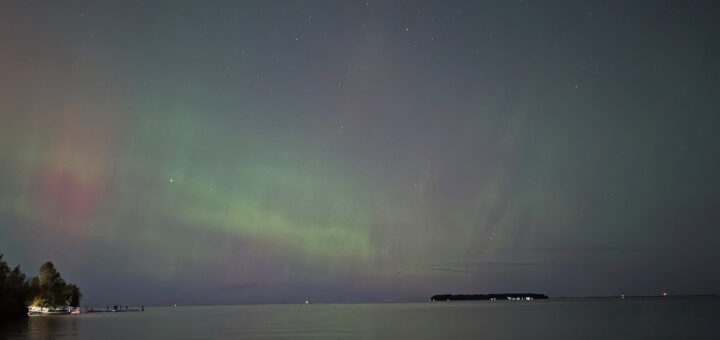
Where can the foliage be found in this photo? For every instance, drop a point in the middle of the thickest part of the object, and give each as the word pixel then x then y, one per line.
pixel 72 295
pixel 14 290
pixel 52 285
pixel 45 290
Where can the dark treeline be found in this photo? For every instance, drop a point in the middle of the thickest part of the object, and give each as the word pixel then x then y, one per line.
pixel 502 296
pixel 48 289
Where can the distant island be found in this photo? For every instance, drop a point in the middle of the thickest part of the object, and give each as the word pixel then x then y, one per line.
pixel 46 291
pixel 490 297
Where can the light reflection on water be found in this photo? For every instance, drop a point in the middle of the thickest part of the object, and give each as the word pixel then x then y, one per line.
pixel 571 319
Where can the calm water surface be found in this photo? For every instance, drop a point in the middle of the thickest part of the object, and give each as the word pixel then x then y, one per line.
pixel 553 319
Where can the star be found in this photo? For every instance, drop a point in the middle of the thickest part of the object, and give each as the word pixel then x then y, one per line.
pixel 171 180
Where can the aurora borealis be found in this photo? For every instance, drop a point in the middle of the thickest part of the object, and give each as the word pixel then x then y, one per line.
pixel 248 152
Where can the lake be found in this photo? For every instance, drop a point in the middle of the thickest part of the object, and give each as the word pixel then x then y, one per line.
pixel 656 318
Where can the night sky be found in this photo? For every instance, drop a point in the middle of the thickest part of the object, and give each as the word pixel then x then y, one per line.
pixel 206 152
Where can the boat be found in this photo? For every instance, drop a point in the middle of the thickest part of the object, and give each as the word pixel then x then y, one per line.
pixel 35 310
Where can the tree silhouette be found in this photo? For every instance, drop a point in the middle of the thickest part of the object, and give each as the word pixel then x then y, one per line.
pixel 14 289
pixel 72 295
pixel 52 286
pixel 45 290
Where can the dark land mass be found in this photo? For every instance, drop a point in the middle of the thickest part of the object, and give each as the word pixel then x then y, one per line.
pixel 502 296
pixel 48 289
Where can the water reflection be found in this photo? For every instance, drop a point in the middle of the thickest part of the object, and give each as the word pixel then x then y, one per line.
pixel 553 319
pixel 40 327
pixel 16 328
